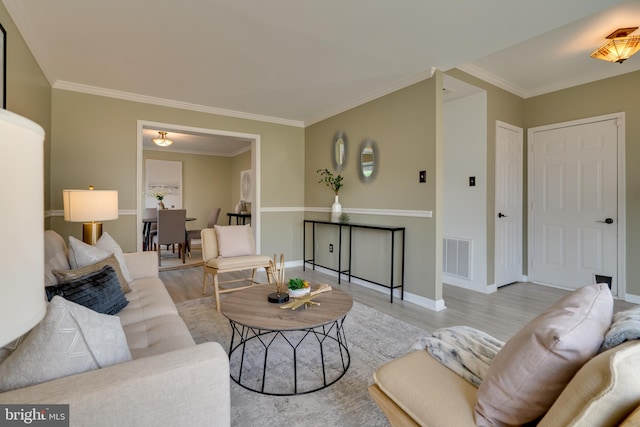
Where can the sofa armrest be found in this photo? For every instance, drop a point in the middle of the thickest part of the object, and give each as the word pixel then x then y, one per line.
pixel 142 264
pixel 187 387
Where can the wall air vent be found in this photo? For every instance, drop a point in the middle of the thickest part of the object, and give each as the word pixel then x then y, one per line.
pixel 456 257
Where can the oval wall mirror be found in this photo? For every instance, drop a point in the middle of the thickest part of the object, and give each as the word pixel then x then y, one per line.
pixel 339 151
pixel 369 161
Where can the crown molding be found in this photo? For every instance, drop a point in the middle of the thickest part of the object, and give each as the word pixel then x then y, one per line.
pixel 128 96
pixel 493 79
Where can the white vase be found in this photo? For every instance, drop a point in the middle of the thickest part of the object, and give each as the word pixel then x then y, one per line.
pixel 336 210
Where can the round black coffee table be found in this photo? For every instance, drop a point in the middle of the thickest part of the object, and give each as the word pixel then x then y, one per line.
pixel 284 352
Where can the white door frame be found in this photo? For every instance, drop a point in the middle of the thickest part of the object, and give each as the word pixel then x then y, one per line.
pixel 520 132
pixel 622 221
pixel 255 167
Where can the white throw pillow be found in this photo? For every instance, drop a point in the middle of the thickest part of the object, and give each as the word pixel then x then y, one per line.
pixel 82 254
pixel 234 240
pixel 69 340
pixel 107 243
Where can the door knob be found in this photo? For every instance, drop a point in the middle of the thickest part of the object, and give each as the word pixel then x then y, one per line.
pixel 607 221
pixel 501 215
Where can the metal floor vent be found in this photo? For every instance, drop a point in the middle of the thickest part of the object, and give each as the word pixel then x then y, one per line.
pixel 456 257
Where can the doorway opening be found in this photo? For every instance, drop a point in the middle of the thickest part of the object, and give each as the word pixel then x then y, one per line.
pixel 238 138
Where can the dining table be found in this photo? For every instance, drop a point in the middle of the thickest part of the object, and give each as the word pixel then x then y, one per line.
pixel 146 231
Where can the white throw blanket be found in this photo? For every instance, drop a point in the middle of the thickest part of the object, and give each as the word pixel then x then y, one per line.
pixel 466 351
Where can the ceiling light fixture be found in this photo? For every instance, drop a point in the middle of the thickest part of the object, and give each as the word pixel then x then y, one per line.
pixel 162 140
pixel 620 46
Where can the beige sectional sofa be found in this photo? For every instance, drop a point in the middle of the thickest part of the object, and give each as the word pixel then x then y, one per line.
pixel 169 381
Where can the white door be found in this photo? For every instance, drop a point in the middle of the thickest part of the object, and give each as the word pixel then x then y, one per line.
pixel 575 204
pixel 508 213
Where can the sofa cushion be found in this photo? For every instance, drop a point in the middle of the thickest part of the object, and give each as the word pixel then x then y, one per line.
pixel 535 365
pixel 234 240
pixel 428 391
pixel 603 392
pixel 68 275
pixel 69 340
pixel 148 298
pixel 98 290
pixel 157 335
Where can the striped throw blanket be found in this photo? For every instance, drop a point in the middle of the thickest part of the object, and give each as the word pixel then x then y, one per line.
pixel 466 351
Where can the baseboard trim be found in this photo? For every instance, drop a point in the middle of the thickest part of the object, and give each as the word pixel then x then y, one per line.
pixel 427 303
pixel 635 299
pixel 465 284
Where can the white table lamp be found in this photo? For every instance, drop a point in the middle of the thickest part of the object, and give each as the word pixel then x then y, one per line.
pixel 22 297
pixel 90 207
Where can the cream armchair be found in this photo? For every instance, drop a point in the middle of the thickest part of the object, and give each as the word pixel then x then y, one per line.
pixel 230 248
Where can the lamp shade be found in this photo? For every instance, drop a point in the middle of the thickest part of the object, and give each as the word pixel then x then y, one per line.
pixel 22 297
pixel 90 205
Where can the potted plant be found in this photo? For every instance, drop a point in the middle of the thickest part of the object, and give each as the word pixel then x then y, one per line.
pixel 335 184
pixel 298 287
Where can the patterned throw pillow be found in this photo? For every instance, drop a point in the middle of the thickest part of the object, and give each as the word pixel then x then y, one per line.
pixel 99 290
pixel 68 275
pixel 69 340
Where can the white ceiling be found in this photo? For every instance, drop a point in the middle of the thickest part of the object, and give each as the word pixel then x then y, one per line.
pixel 300 61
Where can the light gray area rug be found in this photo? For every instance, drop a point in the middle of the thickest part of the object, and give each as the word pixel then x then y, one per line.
pixel 373 338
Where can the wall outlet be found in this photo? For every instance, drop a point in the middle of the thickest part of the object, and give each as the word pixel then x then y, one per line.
pixel 331 247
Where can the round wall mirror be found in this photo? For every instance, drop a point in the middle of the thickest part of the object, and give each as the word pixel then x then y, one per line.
pixel 368 164
pixel 339 151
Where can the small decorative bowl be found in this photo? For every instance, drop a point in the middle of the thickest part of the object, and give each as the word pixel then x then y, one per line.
pixel 298 293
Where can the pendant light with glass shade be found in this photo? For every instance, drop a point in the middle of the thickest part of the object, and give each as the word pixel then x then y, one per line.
pixel 162 140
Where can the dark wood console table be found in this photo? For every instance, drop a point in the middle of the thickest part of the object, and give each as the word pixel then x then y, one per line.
pixel 350 227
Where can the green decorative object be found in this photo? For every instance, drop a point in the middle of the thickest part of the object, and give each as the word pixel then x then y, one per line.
pixel 345 217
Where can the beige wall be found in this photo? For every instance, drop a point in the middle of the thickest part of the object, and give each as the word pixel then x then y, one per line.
pixel 95 142
pixel 206 183
pixel 407 128
pixel 28 91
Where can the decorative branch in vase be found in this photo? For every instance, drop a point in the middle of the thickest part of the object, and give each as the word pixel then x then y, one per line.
pixel 335 184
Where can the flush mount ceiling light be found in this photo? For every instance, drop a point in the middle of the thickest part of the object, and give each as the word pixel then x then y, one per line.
pixel 162 140
pixel 620 46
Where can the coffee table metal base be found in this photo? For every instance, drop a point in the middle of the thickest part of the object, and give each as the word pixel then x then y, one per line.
pixel 316 357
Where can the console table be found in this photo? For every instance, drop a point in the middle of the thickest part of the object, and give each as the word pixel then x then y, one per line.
pixel 349 227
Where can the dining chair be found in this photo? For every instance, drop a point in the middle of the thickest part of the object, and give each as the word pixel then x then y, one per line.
pixel 152 230
pixel 171 230
pixel 195 234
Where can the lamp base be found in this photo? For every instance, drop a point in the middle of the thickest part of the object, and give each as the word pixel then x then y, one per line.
pixel 91 232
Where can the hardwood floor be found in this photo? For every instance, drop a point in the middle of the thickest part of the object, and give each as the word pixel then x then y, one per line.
pixel 500 314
